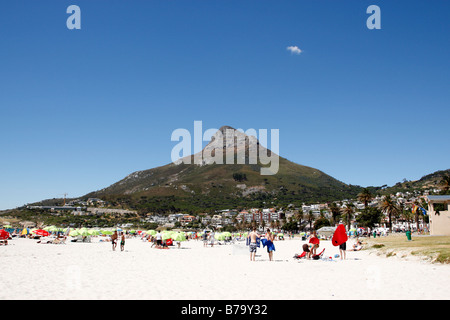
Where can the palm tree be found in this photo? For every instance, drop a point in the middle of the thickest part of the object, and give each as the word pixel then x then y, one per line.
pixel 365 197
pixel 310 218
pixel 416 216
pixel 348 212
pixel 299 215
pixel 335 211
pixel 388 206
pixel 407 215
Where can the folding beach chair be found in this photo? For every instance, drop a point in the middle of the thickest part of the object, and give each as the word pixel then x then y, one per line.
pixel 299 256
pixel 318 256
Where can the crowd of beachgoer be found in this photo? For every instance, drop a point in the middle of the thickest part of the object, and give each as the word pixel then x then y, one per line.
pixel 253 239
pixel 310 249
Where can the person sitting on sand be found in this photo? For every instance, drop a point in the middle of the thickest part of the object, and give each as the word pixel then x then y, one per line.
pixel 357 246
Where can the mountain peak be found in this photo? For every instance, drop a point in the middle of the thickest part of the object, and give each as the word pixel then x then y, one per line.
pixel 224 129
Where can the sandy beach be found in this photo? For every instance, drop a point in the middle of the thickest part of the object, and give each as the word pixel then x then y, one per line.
pixel 94 271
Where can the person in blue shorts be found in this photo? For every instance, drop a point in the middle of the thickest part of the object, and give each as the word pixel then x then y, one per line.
pixel 253 244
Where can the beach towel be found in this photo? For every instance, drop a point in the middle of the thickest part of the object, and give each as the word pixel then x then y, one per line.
pixel 339 236
pixel 269 244
pixel 258 242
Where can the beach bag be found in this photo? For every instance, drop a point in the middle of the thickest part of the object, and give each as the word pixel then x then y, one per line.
pixel 339 236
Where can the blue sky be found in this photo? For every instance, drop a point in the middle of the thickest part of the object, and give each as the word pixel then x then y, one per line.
pixel 81 109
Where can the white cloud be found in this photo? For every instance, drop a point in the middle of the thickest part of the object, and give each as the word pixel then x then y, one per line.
pixel 294 49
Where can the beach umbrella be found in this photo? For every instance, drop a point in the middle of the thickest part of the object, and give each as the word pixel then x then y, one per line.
pixel 4 234
pixel 152 232
pixel 41 232
pixel 74 233
pixel 107 232
pixel 7 226
pixel 52 229
pixel 25 231
pixel 226 234
pixel 167 235
pixel 84 233
pixel 94 232
pixel 179 236
pixel 280 235
pixel 219 236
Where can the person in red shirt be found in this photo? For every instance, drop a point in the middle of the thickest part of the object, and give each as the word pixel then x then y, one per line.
pixel 314 240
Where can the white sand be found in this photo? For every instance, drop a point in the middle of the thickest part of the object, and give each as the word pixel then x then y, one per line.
pixel 94 271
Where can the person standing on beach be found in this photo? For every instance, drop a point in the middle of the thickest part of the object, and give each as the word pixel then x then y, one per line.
pixel 205 239
pixel 122 242
pixel 270 246
pixel 253 245
pixel 158 237
pixel 342 250
pixel 114 240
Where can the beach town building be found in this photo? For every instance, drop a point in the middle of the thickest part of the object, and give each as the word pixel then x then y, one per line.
pixel 102 211
pixel 439 214
pixel 185 219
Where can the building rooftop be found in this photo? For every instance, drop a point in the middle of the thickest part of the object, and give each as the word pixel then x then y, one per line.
pixel 439 198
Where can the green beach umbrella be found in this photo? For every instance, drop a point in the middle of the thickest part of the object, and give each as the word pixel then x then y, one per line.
pixel 167 235
pixel 107 232
pixel 226 234
pixel 94 232
pixel 84 233
pixel 74 233
pixel 219 236
pixel 179 236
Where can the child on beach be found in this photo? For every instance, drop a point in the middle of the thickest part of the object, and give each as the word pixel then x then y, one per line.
pixel 122 242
